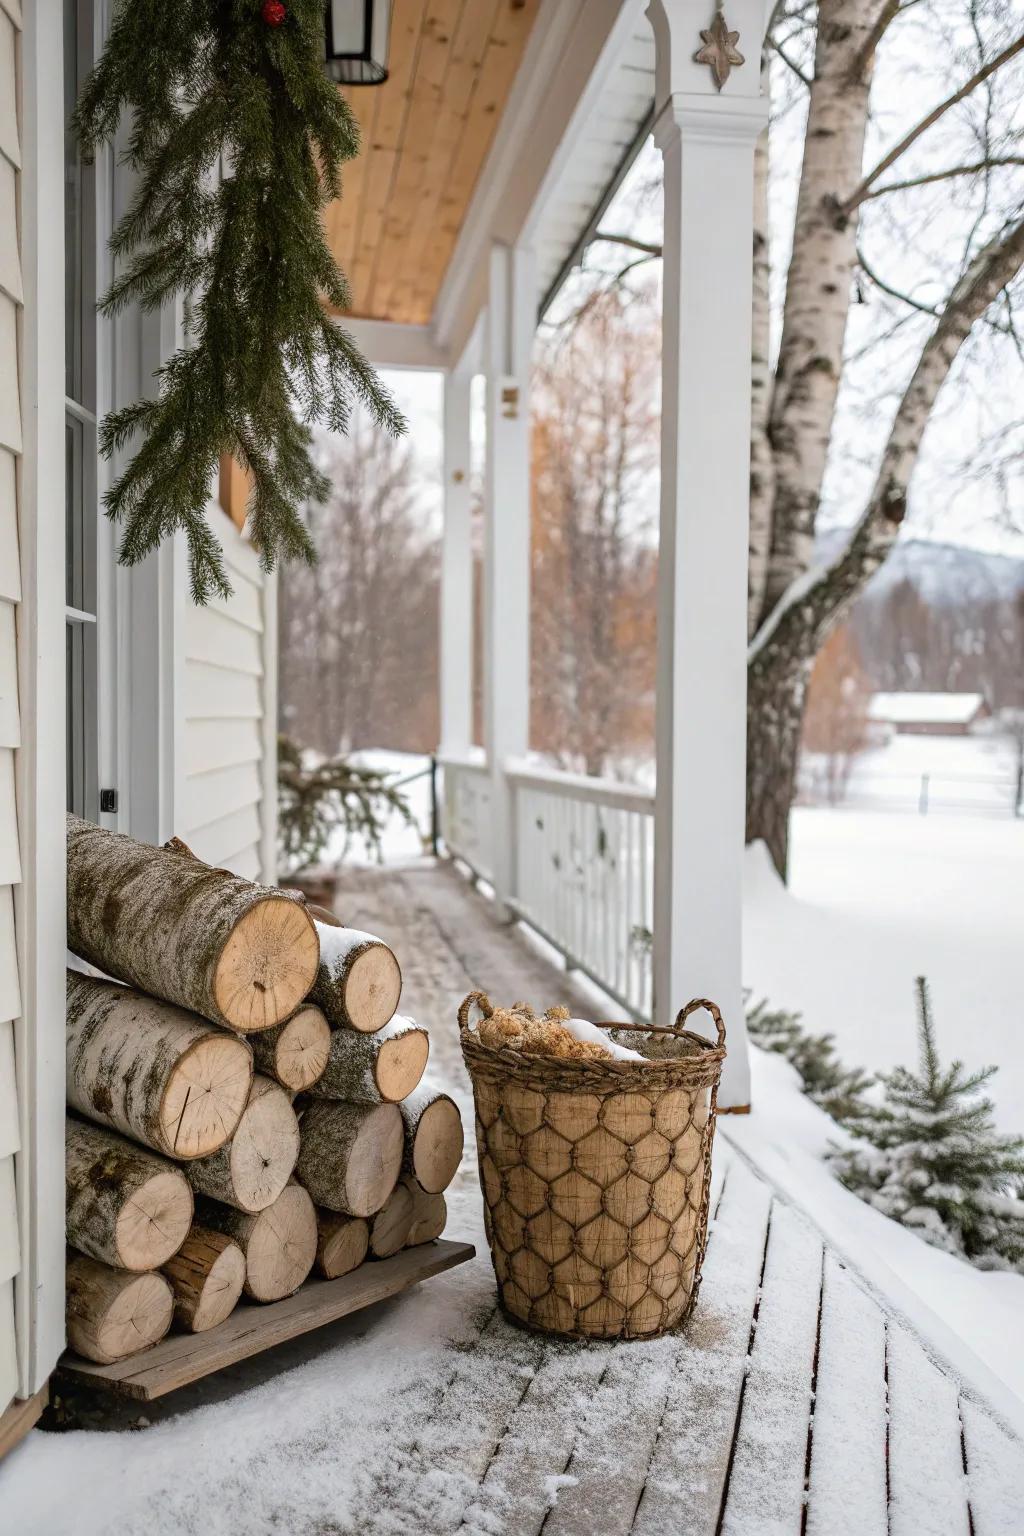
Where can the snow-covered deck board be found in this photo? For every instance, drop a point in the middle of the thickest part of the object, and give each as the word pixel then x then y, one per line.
pixel 434 1415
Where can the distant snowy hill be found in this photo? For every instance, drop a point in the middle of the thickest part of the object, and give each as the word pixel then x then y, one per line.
pixel 942 617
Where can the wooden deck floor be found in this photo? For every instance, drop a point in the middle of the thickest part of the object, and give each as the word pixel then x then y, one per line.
pixel 791 1402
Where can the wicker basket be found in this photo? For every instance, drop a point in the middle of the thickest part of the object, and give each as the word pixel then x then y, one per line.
pixel 596 1177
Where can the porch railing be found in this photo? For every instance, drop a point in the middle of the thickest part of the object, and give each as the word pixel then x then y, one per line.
pixel 583 860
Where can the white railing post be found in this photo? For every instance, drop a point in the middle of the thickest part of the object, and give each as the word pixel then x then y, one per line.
pixel 456 571
pixel 510 324
pixel 707 141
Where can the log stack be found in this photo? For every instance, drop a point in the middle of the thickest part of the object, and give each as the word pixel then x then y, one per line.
pixel 244 1100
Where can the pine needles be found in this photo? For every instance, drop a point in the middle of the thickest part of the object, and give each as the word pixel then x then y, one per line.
pixel 237 139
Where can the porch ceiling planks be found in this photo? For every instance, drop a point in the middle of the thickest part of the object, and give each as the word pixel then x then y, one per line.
pixel 425 135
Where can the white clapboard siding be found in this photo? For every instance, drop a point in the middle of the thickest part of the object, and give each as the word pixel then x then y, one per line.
pixel 11 296
pixel 228 709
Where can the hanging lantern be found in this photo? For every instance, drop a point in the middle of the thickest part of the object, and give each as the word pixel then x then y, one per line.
pixel 357 41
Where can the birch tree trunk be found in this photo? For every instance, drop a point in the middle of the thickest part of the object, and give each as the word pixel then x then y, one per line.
pixel 153 1071
pixel 125 1206
pixel 433 1139
pixel 206 1276
pixel 251 1170
pixel 762 463
pixel 295 1052
pixel 279 1242
pixel 358 983
pixel 375 1069
pixel 429 1214
pixel 389 1229
pixel 342 1243
pixel 351 1155
pixel 818 287
pixel 240 954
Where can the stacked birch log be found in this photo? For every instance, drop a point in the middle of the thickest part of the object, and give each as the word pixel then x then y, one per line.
pixel 244 1100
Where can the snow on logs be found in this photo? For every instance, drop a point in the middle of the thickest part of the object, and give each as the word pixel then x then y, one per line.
pixel 294 1053
pixel 279 1243
pixel 112 1313
pixel 351 1155
pixel 125 1206
pixel 151 1070
pixel 358 983
pixel 242 955
pixel 206 1275
pixel 381 1068
pixel 251 1170
pixel 433 1139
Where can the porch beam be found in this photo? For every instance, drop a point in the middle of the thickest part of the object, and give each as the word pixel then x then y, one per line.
pixel 456 571
pixel 508 341
pixel 707 142
pixel 389 344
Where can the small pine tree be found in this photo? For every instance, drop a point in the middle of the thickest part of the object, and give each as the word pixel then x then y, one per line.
pixel 930 1157
pixel 317 799
pixel 835 1088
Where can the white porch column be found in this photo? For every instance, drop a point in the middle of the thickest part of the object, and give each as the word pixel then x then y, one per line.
pixel 707 140
pixel 511 322
pixel 456 571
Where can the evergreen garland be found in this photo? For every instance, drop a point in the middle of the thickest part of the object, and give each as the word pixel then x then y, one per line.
pixel 836 1089
pixel 931 1158
pixel 317 799
pixel 237 138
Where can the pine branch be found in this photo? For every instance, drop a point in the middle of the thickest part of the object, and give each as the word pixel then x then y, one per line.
pixel 208 87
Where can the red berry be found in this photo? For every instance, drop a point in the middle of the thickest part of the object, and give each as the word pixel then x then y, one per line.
pixel 273 13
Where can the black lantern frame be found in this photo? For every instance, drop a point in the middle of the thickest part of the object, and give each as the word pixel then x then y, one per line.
pixel 367 64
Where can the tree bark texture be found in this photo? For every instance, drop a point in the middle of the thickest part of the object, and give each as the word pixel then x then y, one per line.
pixel 382 1068
pixel 351 1155
pixel 240 954
pixel 125 1206
pixel 762 464
pixel 251 1170
pixel 818 288
pixel 279 1243
pixel 359 982
pixel 151 1070
pixel 112 1313
pixel 295 1052
pixel 206 1275
pixel 433 1139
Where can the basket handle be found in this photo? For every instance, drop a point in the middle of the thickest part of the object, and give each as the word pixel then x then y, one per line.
pixel 712 1008
pixel 482 1001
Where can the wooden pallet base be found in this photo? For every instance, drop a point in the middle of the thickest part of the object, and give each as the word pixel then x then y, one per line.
pixel 18 1419
pixel 185 1357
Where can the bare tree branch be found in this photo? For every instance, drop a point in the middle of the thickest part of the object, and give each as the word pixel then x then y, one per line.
pixel 634 245
pixel 860 192
pixel 790 63
pixel 894 293
pixel 933 176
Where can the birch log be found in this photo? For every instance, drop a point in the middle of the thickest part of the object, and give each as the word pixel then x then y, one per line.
pixel 250 1170
pixel 389 1229
pixel 206 1275
pixel 382 1068
pixel 358 983
pixel 279 1243
pixel 351 1155
pixel 112 1313
pixel 429 1214
pixel 433 1139
pixel 342 1242
pixel 125 1206
pixel 151 1070
pixel 240 954
pixel 295 1052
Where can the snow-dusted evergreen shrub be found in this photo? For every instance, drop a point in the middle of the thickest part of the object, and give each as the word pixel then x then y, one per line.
pixel 317 797
pixel 835 1088
pixel 929 1156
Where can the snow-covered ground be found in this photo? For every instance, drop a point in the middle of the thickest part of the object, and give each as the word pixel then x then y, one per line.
pixel 875 899
pixel 974 774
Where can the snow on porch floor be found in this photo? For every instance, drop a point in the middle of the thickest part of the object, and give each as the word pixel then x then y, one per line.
pixel 431 1414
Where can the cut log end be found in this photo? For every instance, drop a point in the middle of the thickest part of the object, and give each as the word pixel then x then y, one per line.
pixel 267 965
pixel 281 1247
pixel 342 1243
pixel 437 1146
pixel 300 1049
pixel 207 1276
pixel 154 1223
pixel 205 1096
pixel 429 1216
pixel 351 1155
pixel 372 989
pixel 112 1314
pixel 389 1229
pixel 400 1064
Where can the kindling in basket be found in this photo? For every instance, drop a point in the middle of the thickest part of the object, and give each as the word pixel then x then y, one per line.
pixel 596 1172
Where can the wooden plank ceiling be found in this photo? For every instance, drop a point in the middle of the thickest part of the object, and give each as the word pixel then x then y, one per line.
pixel 425 135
